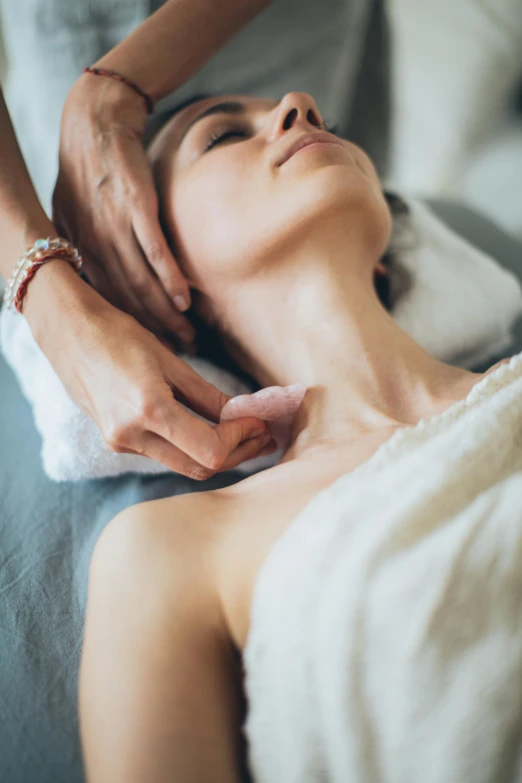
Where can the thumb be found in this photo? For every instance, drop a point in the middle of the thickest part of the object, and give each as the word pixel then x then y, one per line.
pixel 192 390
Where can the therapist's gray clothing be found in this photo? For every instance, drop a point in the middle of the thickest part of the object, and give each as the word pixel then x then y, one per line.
pixel 336 50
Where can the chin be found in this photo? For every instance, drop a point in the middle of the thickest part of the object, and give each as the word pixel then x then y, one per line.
pixel 336 191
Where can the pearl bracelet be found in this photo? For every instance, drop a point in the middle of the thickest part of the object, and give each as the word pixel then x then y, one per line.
pixel 43 250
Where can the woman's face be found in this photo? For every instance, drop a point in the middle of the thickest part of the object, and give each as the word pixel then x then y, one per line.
pixel 232 198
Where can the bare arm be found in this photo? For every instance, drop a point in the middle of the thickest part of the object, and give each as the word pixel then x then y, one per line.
pixel 160 683
pixel 105 199
pixel 167 49
pixel 112 368
pixel 22 221
pixel 21 214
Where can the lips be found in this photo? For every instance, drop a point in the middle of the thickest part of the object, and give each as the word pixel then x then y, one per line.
pixel 304 140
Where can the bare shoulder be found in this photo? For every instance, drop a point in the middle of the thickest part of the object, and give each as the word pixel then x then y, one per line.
pixel 229 533
pixel 181 532
pixel 217 534
pixel 222 537
pixel 183 508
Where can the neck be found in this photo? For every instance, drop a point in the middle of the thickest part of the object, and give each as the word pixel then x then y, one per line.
pixel 323 325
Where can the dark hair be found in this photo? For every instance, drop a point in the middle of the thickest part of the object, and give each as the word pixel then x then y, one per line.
pixel 156 122
pixel 388 287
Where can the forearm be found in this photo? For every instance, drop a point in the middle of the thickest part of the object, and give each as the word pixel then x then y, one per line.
pixel 58 303
pixel 56 288
pixel 22 218
pixel 168 48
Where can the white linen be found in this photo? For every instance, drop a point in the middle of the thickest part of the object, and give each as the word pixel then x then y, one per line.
pixel 386 625
pixel 460 307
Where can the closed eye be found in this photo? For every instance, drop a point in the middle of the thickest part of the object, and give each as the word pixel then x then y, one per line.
pixel 216 137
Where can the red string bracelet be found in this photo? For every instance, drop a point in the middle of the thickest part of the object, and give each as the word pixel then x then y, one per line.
pixel 123 79
pixel 61 252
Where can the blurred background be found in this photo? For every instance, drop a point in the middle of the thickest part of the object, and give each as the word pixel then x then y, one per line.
pixel 456 104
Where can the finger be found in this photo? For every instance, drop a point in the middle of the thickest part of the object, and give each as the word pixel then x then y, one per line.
pixel 154 245
pixel 99 279
pixel 129 301
pixel 154 446
pixel 95 272
pixel 270 447
pixel 148 290
pixel 174 346
pixel 192 390
pixel 190 349
pixel 243 452
pixel 157 448
pixel 164 340
pixel 207 445
pixel 92 269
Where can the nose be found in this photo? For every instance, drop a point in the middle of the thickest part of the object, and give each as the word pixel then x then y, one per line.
pixel 295 109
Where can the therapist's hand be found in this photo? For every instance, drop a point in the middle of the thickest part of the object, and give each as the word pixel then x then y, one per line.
pixel 105 202
pixel 131 385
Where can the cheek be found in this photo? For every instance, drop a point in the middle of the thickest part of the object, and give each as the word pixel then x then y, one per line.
pixel 227 218
pixel 214 213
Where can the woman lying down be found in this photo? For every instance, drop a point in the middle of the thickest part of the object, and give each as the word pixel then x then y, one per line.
pixel 281 226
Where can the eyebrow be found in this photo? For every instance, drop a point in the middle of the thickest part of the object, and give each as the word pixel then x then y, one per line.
pixel 227 107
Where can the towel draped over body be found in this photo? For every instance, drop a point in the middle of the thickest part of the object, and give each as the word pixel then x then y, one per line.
pixel 386 625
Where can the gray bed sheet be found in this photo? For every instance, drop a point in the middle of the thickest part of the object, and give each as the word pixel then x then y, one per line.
pixel 47 534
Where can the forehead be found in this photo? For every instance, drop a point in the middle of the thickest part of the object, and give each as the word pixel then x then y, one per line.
pixel 171 134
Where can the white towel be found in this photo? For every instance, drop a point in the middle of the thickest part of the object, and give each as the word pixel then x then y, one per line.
pixel 460 307
pixel 386 632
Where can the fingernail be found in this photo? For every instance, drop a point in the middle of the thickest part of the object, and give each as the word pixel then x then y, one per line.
pixel 265 440
pixel 181 303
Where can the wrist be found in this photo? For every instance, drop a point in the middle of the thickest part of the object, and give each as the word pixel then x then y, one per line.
pixel 57 295
pixel 37 229
pixel 107 102
pixel 108 73
pixel 19 230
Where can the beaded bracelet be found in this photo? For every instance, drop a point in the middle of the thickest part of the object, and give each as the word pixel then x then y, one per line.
pixel 42 251
pixel 123 79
